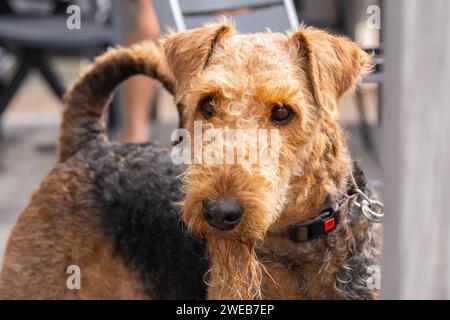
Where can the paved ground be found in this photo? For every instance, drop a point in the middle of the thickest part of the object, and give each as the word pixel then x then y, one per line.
pixel 30 131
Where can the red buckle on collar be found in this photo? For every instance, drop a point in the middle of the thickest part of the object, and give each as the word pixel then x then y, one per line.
pixel 316 226
pixel 329 224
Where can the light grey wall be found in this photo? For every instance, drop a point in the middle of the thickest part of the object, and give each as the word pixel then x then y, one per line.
pixel 415 150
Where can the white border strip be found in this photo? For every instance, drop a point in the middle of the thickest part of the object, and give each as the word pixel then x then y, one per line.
pixel 177 15
pixel 292 14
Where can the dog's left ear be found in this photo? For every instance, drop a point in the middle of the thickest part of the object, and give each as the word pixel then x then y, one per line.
pixel 334 64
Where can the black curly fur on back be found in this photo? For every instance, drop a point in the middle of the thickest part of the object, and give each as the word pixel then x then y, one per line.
pixel 138 188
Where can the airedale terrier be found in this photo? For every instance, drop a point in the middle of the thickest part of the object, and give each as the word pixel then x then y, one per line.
pixel 297 228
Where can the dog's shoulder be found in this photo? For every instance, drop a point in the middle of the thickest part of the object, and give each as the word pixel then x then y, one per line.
pixel 138 187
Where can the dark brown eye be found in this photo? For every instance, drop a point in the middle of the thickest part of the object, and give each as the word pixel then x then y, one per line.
pixel 281 114
pixel 207 107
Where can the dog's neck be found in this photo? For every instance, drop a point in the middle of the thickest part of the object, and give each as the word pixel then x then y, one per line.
pixel 294 266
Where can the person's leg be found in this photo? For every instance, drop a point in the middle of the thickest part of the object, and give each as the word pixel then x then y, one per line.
pixel 139 90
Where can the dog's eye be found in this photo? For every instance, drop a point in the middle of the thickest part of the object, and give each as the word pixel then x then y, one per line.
pixel 281 114
pixel 207 107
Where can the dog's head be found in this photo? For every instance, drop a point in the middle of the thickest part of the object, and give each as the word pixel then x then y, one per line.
pixel 253 105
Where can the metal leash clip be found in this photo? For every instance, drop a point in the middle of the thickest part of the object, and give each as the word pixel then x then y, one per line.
pixel 368 207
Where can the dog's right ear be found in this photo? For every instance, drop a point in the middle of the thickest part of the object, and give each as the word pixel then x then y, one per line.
pixel 188 52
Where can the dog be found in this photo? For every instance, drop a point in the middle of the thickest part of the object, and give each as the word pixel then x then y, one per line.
pixel 138 225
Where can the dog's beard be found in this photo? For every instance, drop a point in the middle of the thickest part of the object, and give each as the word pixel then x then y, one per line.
pixel 235 270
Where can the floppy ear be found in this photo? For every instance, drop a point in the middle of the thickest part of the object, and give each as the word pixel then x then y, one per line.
pixel 334 64
pixel 188 52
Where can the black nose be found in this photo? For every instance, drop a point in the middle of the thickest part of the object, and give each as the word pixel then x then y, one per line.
pixel 223 213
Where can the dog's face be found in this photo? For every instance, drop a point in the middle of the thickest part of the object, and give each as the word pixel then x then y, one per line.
pixel 277 85
pixel 260 99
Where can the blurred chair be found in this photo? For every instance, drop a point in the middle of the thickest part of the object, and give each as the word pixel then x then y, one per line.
pixel 343 22
pixel 249 15
pixel 347 25
pixel 375 77
pixel 33 39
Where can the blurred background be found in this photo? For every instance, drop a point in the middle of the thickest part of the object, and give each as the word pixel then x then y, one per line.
pixel 396 121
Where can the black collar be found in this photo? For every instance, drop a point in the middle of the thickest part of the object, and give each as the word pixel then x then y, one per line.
pixel 319 225
pixel 316 226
